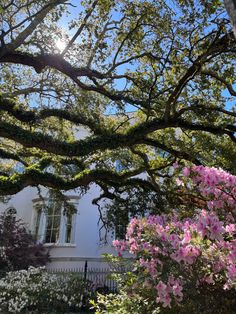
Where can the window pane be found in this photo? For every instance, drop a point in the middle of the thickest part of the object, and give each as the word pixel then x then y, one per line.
pixel 52 227
pixel 52 235
pixel 119 166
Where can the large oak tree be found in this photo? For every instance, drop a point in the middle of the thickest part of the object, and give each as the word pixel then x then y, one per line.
pixel 66 64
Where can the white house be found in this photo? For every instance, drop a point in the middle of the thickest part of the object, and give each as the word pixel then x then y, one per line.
pixel 72 239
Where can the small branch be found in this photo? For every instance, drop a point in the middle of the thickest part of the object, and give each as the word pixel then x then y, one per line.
pixel 80 29
pixel 220 79
pixel 38 18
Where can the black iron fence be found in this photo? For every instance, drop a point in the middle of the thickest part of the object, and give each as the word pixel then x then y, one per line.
pixel 88 281
pixel 101 277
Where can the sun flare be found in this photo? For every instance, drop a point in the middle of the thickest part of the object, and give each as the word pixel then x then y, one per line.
pixel 60 44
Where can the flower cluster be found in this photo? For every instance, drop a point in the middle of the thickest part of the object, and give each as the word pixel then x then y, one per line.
pixel 202 243
pixel 32 289
pixel 173 254
pixel 164 291
pixel 216 185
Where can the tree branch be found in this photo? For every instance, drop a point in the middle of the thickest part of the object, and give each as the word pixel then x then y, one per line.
pixel 38 18
pixel 220 79
pixel 32 177
pixel 80 29
pixel 31 116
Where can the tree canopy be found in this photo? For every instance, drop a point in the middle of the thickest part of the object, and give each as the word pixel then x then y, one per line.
pixel 66 64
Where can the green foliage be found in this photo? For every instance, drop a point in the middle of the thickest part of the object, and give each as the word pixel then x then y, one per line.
pixel 171 63
pixel 122 303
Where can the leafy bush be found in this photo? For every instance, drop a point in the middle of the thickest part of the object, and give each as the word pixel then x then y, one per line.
pixel 36 291
pixel 123 303
pixel 18 248
pixel 183 265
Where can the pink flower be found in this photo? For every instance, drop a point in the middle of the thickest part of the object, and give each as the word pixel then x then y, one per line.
pixel 161 288
pixel 116 243
pixel 231 272
pixel 166 300
pixel 209 279
pixel 174 240
pixel 209 225
pixel 177 290
pixel 175 165
pixel 187 254
pixel 119 245
pixel 163 294
pixel 230 228
pixel 179 182
pixel 186 171
pixel 133 245
pixel 187 237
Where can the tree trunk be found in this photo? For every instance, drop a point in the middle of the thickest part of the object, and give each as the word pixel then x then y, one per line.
pixel 231 9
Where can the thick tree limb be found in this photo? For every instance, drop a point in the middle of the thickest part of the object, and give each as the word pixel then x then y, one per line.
pixel 8 155
pixel 33 177
pixel 136 135
pixel 39 62
pixel 34 116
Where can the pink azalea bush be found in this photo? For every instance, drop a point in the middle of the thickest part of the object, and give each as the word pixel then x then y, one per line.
pixel 179 261
pixel 217 186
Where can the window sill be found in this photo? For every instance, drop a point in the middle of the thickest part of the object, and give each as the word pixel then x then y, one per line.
pixel 60 245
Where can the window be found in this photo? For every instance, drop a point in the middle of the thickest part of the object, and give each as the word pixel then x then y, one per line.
pixel 19 167
pixel 120 231
pixel 52 225
pixel 119 166
pixel 11 211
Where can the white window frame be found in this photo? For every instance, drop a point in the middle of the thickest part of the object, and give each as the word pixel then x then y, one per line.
pixel 41 232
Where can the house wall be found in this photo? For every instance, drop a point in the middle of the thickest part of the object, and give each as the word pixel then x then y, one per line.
pixel 87 246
